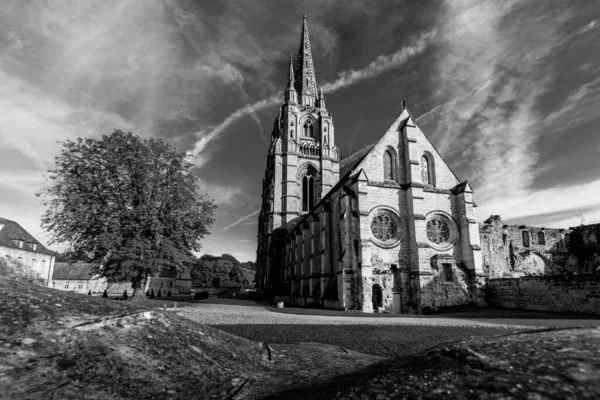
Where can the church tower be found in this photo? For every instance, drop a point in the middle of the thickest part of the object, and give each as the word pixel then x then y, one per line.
pixel 302 163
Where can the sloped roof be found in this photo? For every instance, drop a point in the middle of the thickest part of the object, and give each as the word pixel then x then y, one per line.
pixel 348 163
pixel 13 231
pixel 75 271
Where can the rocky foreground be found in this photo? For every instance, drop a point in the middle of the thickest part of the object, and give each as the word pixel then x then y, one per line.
pixel 59 345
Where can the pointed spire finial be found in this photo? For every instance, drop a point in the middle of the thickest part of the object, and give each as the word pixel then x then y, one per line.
pixel 404 104
pixel 305 82
pixel 290 82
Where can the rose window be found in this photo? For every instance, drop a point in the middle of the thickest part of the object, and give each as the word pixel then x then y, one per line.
pixel 438 231
pixel 383 227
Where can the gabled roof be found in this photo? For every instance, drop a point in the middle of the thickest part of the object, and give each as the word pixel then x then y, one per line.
pixel 75 271
pixel 13 231
pixel 348 163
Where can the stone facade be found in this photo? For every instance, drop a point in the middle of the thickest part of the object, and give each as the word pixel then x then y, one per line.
pixel 391 228
pixel 22 256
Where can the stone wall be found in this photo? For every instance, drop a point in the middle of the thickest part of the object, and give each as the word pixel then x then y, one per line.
pixel 519 250
pixel 507 252
pixel 576 294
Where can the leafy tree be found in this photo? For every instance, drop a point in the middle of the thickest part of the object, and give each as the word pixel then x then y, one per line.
pixel 129 205
pixel 230 258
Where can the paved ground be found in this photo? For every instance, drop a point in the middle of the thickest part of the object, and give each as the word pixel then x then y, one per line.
pixel 215 311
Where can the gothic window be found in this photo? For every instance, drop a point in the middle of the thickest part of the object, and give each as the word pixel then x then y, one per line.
pixel 383 227
pixel 308 192
pixel 525 235
pixel 308 128
pixel 427 170
pixel 388 170
pixel 441 231
pixel 541 238
pixel 438 231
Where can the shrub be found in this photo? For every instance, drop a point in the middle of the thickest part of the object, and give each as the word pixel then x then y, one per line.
pixel 159 294
pixel 105 294
pixel 89 292
pixel 169 294
pixel 152 296
pixel 148 293
pixel 125 297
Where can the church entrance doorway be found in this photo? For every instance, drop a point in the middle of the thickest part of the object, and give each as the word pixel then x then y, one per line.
pixel 377 298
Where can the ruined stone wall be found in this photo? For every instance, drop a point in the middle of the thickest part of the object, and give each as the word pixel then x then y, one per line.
pixel 519 250
pixel 577 293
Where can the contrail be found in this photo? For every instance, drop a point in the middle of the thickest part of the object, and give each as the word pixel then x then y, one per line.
pixel 241 220
pixel 380 65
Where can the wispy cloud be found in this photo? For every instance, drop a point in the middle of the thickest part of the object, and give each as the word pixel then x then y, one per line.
pixel 239 221
pixel 490 80
pixel 555 207
pixel 381 64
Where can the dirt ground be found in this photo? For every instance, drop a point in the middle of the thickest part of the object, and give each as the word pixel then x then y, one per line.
pixel 61 345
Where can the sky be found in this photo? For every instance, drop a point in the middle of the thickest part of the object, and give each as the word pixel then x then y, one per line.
pixel 508 92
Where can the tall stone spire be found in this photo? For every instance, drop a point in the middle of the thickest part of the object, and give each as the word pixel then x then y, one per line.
pixel 305 82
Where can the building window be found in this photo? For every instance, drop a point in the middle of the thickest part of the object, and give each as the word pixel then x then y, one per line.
pixel 541 238
pixel 427 170
pixel 384 227
pixel 80 286
pixel 66 285
pixel 308 128
pixel 438 231
pixel 447 272
pixel 441 231
pixel 34 246
pixel 308 192
pixel 388 170
pixel 525 235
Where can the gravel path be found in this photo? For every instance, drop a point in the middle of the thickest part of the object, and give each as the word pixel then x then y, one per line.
pixel 242 312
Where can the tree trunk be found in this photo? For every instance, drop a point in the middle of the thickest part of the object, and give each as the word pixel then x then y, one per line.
pixel 139 287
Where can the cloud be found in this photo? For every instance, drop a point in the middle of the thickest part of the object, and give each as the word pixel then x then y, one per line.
pixel 580 106
pixel 490 79
pixel 381 64
pixel 554 207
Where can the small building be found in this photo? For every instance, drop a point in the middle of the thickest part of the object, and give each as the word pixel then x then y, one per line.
pixel 23 256
pixel 80 278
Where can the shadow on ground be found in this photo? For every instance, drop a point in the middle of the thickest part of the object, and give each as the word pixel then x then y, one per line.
pixel 377 340
pixel 449 312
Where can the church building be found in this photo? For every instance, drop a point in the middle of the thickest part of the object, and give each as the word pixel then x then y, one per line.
pixel 390 228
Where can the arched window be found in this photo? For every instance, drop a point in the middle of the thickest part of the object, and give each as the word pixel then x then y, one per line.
pixel 308 192
pixel 525 235
pixel 388 170
pixel 427 170
pixel 308 128
pixel 541 238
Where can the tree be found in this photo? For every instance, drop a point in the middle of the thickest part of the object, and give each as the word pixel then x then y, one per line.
pixel 129 205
